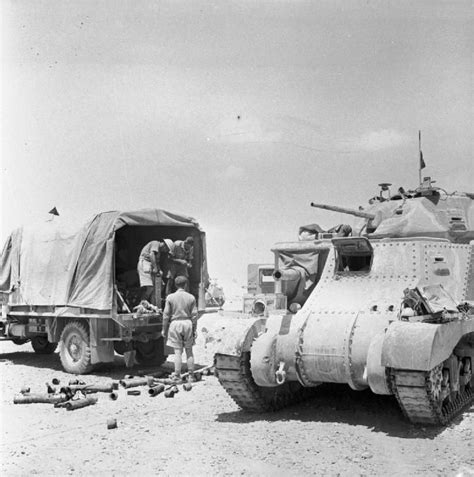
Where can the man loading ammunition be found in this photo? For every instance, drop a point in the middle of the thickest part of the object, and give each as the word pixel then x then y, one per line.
pixel 179 326
pixel 149 268
pixel 180 262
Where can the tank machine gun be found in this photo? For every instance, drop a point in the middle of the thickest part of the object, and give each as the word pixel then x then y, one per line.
pixel 392 309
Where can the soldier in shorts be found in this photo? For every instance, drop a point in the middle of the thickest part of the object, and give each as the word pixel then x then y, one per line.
pixel 179 326
pixel 180 261
pixel 149 267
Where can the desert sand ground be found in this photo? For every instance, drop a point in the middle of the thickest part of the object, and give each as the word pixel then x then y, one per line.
pixel 204 433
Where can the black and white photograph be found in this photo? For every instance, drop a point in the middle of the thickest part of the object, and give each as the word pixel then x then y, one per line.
pixel 237 238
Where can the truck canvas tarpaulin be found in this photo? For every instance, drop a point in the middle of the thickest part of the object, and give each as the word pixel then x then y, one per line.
pixel 55 263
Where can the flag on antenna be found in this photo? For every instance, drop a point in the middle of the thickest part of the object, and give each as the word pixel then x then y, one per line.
pixel 53 211
pixel 422 162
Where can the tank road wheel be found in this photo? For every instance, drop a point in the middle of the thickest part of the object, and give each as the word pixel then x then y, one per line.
pixel 41 345
pixel 466 376
pixel 437 386
pixel 434 397
pixel 150 352
pixel 75 350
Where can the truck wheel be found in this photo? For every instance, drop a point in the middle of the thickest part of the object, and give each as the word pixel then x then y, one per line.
pixel 75 350
pixel 19 341
pixel 41 345
pixel 151 352
pixel 120 347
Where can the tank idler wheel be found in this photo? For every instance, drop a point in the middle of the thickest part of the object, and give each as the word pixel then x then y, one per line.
pixel 150 352
pixel 75 352
pixel 41 345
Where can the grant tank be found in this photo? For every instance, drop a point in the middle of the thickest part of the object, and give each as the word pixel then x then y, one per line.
pixel 391 308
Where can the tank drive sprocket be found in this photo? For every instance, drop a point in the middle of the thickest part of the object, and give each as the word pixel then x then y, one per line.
pixel 423 395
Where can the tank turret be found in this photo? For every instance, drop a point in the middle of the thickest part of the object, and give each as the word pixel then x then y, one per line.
pixel 427 211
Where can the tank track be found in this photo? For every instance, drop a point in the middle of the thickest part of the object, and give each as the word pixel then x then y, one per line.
pixel 412 390
pixel 235 376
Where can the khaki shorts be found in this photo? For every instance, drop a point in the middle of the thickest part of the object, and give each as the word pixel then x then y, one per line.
pixel 144 273
pixel 180 334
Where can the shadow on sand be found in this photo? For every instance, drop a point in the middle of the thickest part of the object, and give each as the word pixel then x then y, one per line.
pixel 338 403
pixel 25 356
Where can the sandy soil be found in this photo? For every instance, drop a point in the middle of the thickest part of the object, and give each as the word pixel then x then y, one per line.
pixel 203 432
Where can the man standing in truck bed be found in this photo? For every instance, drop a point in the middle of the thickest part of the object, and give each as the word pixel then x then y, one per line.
pixel 179 325
pixel 149 267
pixel 180 262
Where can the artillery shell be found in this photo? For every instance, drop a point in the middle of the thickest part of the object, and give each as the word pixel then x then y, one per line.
pixel 39 398
pixel 166 381
pixel 155 390
pixel 187 386
pixel 113 396
pixel 115 385
pixel 111 423
pixel 79 403
pixel 92 388
pixel 55 381
pixel 132 383
pixel 169 393
pixel 133 392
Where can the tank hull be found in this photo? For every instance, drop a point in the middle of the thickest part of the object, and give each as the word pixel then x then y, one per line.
pixel 350 329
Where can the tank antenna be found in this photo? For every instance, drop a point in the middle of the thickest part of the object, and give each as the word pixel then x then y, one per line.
pixel 422 164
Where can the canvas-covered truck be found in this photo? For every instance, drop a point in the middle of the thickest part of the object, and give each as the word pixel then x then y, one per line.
pixel 77 286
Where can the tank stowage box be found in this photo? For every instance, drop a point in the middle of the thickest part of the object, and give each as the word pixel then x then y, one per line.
pixel 388 305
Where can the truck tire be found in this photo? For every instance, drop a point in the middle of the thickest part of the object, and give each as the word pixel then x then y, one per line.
pixel 41 345
pixel 19 341
pixel 120 347
pixel 75 352
pixel 151 352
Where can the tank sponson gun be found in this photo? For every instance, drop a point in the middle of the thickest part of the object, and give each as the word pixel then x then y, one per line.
pixel 344 210
pixel 286 275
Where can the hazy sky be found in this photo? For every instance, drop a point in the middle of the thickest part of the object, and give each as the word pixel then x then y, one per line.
pixel 237 113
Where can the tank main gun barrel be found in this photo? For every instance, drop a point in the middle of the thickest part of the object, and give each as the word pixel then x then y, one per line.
pixel 344 210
